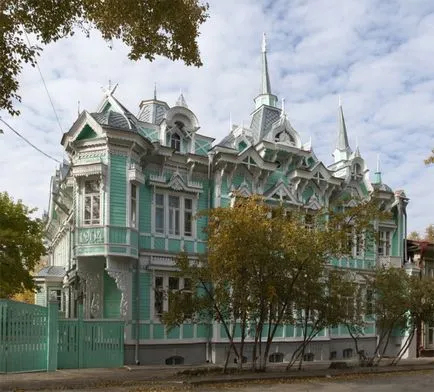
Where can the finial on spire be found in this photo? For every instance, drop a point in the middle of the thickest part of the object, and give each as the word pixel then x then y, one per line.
pixel 339 100
pixel 110 90
pixel 283 113
pixel 155 91
pixel 265 97
pixel 181 100
pixel 230 122
pixel 377 175
pixel 78 107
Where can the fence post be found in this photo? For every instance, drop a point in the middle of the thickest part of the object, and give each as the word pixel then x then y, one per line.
pixel 53 329
pixel 81 336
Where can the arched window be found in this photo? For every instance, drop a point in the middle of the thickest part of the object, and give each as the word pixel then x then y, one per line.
pixel 357 171
pixel 175 142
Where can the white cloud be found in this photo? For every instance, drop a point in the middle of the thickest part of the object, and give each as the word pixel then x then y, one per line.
pixel 375 54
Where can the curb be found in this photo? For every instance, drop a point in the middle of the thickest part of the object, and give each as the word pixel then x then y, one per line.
pixel 328 373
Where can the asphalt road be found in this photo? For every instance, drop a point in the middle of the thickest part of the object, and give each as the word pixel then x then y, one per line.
pixel 415 381
pixel 403 382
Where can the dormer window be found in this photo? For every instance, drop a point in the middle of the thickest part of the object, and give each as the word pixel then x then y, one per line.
pixel 242 146
pixel 175 142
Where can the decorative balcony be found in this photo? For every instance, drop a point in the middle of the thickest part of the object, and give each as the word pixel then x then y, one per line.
pixel 135 174
pixel 90 235
pixel 389 261
pixel 103 240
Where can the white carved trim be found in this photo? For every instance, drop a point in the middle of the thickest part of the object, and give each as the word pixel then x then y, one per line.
pixel 119 271
pixel 97 168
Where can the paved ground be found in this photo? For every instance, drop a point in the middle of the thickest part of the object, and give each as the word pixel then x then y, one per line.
pixel 315 377
pixel 403 382
pixel 415 381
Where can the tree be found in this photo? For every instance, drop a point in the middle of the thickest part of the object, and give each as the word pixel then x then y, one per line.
pixel 430 159
pixel 420 311
pixel 261 261
pixel 28 296
pixel 21 246
pixel 414 236
pixel 391 288
pixel 356 307
pixel 428 236
pixel 148 28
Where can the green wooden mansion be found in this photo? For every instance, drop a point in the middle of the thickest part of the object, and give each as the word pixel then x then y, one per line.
pixel 123 207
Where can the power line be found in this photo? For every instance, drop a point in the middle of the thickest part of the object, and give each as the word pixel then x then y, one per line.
pixel 45 85
pixel 28 142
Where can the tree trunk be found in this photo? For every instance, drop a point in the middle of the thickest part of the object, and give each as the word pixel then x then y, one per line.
pixel 405 346
pixel 243 337
pixel 385 346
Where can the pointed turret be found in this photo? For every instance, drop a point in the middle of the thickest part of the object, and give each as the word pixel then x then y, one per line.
pixel 181 101
pixel 343 150
pixel 153 110
pixel 265 96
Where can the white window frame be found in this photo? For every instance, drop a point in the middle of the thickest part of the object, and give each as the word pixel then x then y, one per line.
pixel 133 200
pixel 174 212
pixel 359 245
pixel 167 214
pixel 91 221
pixel 165 291
pixel 174 141
pixel 357 249
pixel 384 243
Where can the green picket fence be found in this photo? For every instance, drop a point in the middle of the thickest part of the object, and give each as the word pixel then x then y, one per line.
pixel 23 337
pixel 32 338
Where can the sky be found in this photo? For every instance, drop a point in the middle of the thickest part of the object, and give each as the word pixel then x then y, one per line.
pixel 376 54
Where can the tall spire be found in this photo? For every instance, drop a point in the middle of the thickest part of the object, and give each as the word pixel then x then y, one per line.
pixel 343 150
pixel 377 174
pixel 265 86
pixel 265 96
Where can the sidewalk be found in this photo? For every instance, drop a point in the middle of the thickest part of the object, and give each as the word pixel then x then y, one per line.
pixel 134 375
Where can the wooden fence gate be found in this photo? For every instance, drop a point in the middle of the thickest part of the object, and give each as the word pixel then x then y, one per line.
pixel 33 338
pixel 23 337
pixel 90 343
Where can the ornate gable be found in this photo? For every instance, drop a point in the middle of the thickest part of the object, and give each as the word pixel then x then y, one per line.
pixel 84 128
pixel 313 203
pixel 176 182
pixel 242 190
pixel 283 191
